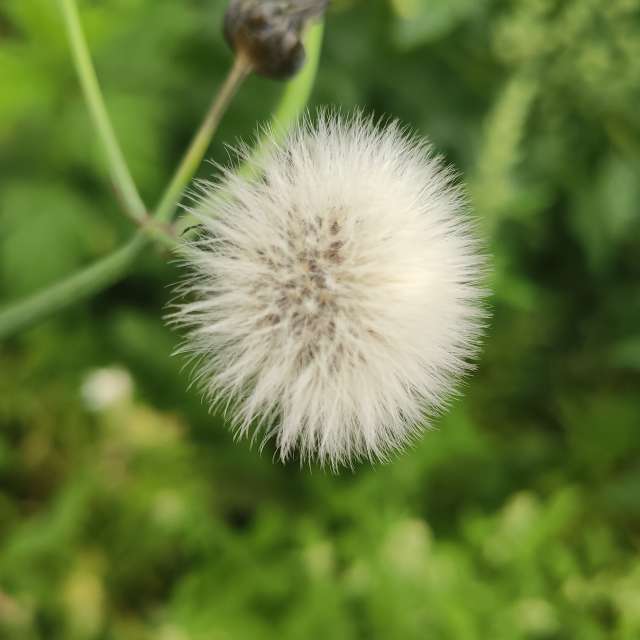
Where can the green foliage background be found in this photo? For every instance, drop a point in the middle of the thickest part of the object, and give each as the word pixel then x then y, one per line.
pixel 518 518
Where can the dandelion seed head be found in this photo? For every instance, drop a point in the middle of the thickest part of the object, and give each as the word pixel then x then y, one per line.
pixel 334 299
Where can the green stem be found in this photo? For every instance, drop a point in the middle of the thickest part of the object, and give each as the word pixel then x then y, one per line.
pixel 200 142
pixel 293 102
pixel 82 284
pixel 101 274
pixel 297 93
pixel 107 270
pixel 120 175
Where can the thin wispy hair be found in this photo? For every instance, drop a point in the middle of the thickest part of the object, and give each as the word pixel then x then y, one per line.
pixel 334 295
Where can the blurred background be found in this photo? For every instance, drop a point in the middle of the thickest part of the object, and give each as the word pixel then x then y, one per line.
pixel 128 513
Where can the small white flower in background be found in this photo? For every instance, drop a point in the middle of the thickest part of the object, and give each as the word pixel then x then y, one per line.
pixel 334 300
pixel 105 388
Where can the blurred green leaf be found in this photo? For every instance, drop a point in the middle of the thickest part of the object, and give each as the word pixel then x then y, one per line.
pixel 419 22
pixel 36 218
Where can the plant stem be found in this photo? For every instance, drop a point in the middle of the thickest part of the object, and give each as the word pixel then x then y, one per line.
pixel 295 96
pixel 297 93
pixel 95 277
pixel 107 270
pixel 120 174
pixel 200 142
pixel 291 105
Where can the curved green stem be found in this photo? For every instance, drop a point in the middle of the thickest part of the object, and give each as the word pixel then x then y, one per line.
pixel 82 284
pixel 200 143
pixel 120 175
pixel 101 274
pixel 107 270
pixel 292 103
pixel 297 93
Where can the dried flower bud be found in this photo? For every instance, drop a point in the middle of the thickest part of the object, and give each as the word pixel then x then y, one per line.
pixel 269 32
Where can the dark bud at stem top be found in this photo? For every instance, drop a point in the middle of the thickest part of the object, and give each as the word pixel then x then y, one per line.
pixel 269 33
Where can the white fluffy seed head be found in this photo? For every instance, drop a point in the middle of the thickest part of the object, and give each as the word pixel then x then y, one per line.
pixel 334 300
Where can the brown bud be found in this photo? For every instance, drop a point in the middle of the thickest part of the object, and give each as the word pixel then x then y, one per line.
pixel 269 33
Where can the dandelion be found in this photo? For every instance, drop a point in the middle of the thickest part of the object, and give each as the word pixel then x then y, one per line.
pixel 334 299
